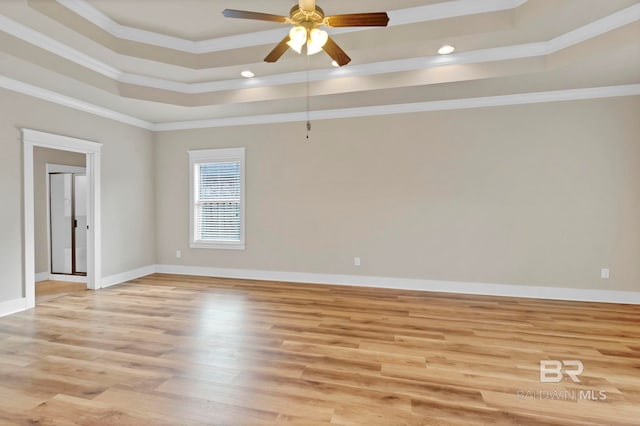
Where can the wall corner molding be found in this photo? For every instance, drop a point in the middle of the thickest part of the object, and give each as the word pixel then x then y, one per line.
pixel 123 277
pixel 41 276
pixel 455 287
pixel 13 306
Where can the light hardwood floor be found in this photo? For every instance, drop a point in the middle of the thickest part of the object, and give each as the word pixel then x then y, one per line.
pixel 47 290
pixel 170 350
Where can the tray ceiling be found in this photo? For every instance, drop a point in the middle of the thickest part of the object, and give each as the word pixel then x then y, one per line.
pixel 160 61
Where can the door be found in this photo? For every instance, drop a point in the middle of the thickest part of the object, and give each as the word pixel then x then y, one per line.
pixel 80 224
pixel 68 223
pixel 61 222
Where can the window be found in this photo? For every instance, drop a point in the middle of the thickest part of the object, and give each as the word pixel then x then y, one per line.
pixel 217 198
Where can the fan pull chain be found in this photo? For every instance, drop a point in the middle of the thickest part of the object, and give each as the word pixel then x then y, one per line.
pixel 308 100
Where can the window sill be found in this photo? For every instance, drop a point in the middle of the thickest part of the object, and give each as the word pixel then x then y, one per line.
pixel 217 245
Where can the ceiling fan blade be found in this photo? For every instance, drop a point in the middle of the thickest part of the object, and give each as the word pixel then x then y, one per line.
pixel 243 14
pixel 307 4
pixel 278 51
pixel 377 19
pixel 336 52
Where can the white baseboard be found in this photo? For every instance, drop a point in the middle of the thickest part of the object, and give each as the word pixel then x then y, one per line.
pixel 67 278
pixel 126 276
pixel 12 306
pixel 486 289
pixel 42 276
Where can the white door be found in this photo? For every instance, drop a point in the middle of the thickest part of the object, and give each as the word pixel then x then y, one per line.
pixel 68 201
pixel 61 223
pixel 80 210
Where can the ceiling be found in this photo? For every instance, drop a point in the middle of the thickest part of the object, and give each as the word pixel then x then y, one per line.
pixel 167 64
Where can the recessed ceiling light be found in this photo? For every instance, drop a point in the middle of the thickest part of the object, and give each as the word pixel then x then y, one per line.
pixel 335 64
pixel 247 74
pixel 446 49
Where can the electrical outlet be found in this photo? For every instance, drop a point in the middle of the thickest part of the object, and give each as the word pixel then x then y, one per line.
pixel 604 273
pixel 356 261
pixel 178 254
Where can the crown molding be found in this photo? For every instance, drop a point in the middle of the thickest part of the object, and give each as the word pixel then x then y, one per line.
pixel 47 43
pixel 445 105
pixel 608 23
pixel 430 106
pixel 406 16
pixel 579 35
pixel 67 101
pixel 373 68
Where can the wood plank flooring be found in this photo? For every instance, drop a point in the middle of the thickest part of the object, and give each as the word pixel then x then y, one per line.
pixel 47 290
pixel 172 350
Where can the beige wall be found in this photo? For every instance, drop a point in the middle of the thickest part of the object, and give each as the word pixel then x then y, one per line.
pixel 128 191
pixel 542 194
pixel 42 156
pixel 533 195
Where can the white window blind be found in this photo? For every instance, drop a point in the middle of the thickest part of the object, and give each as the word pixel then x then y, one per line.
pixel 217 198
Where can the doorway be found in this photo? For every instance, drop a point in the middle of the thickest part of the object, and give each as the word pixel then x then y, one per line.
pixel 67 220
pixel 92 152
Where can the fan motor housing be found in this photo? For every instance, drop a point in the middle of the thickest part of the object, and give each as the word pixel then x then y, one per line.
pixel 299 16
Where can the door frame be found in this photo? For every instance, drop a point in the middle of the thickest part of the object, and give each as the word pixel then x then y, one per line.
pixel 92 150
pixel 59 168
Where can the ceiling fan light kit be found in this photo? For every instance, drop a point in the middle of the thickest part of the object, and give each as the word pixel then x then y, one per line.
pixel 307 18
pixel 313 38
pixel 297 38
pixel 317 40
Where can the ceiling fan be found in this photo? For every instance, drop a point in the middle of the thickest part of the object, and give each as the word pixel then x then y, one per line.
pixel 307 18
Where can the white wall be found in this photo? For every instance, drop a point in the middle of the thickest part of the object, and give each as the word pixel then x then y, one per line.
pixel 128 190
pixel 539 195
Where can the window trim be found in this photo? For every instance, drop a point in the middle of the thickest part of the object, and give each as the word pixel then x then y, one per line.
pixel 214 156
